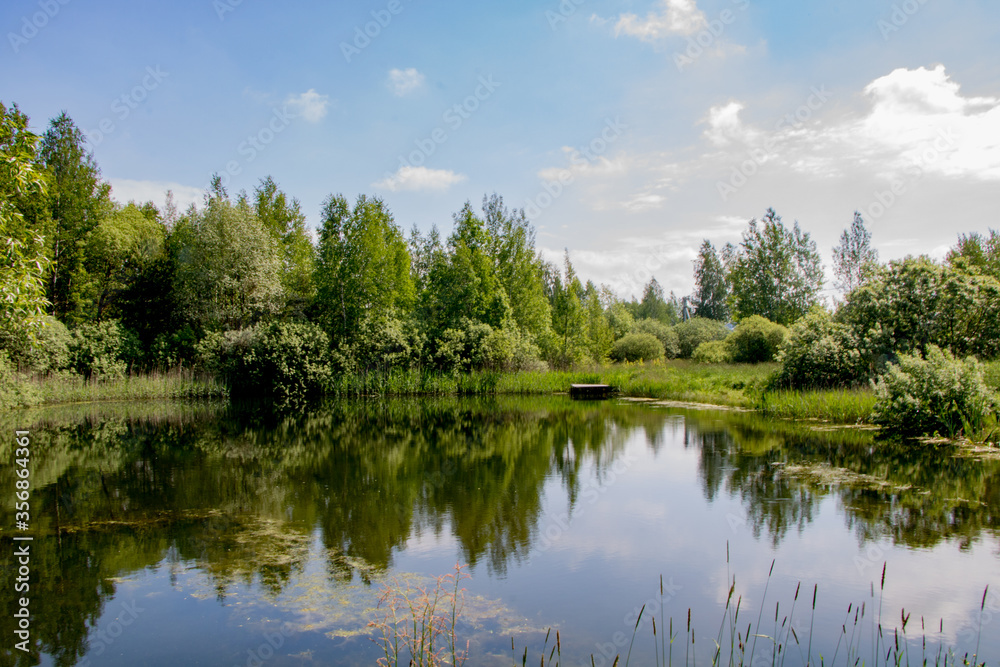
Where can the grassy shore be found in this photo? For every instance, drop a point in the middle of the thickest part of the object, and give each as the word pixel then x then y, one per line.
pixel 67 388
pixel 735 385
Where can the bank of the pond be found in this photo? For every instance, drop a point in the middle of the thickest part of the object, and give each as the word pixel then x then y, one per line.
pixel 67 388
pixel 733 385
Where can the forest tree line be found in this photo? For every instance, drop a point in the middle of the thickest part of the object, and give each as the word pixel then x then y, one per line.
pixel 101 288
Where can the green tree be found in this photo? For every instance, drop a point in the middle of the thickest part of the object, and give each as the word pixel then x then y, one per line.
pixel 654 307
pixel 510 244
pixel 78 201
pixel 711 292
pixel 600 336
pixel 854 260
pixel 363 267
pixel 914 303
pixel 23 261
pixel 287 224
pixel 228 273
pixel 118 249
pixel 976 252
pixel 462 281
pixel 775 272
pixel 569 319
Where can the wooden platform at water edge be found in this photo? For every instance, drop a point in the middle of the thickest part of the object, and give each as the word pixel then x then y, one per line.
pixel 590 391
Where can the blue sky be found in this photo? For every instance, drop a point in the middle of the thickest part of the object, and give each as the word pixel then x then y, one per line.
pixel 629 129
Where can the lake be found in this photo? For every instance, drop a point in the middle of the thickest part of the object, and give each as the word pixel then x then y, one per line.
pixel 210 534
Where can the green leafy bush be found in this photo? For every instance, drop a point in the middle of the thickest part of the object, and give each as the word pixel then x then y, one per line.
pixel 478 346
pixel 47 352
pixel 821 353
pixel 386 342
pixel 286 361
pixel 14 392
pixel 755 340
pixel 637 347
pixel 174 349
pixel 937 395
pixel 102 349
pixel 696 331
pixel 712 352
pixel 665 334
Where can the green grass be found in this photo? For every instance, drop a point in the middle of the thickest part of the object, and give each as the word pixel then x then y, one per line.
pixel 738 385
pixel 843 406
pixel 75 389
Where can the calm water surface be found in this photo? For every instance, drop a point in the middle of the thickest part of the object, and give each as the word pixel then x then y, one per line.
pixel 182 534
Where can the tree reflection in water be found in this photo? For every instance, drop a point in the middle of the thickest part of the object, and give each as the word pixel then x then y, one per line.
pixel 242 492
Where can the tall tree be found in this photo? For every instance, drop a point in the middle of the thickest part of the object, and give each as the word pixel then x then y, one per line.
pixel 854 260
pixel 711 291
pixel 228 273
pixel 518 266
pixel 976 252
pixel 462 281
pixel 78 200
pixel 775 272
pixel 600 336
pixel 654 306
pixel 118 249
pixel 363 266
pixel 23 260
pixel 287 224
pixel 569 318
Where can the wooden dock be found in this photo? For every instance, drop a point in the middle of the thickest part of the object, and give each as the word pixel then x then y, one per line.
pixel 590 391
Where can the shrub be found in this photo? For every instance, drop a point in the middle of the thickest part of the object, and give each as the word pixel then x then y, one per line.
pixel 48 352
pixel 755 340
pixel 696 331
pixel 14 392
pixel 821 353
pixel 102 349
pixel 175 349
pixel 939 394
pixel 286 361
pixel 665 334
pixel 387 342
pixel 637 347
pixel 478 346
pixel 712 352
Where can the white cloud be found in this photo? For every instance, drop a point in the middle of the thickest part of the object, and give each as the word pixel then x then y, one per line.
pixel 125 190
pixel 310 105
pixel 419 178
pixel 725 125
pixel 645 202
pixel 580 166
pixel 405 81
pixel 681 17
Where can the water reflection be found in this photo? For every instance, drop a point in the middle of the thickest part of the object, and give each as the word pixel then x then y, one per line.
pixel 241 493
